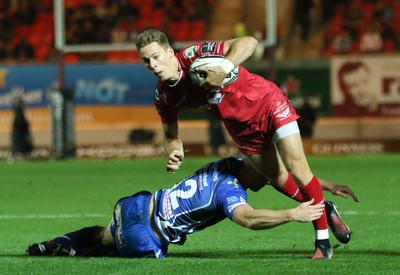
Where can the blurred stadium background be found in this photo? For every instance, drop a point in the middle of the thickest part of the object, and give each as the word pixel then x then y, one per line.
pixel 98 104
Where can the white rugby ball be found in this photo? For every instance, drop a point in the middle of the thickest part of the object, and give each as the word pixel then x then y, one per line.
pixel 210 60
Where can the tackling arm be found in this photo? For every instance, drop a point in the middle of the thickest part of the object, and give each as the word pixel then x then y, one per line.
pixel 258 219
pixel 339 190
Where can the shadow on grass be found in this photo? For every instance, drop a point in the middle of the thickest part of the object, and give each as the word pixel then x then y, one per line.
pixel 249 254
pixel 276 254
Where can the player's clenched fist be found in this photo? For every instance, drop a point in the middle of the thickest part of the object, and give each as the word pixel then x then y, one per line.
pixel 174 161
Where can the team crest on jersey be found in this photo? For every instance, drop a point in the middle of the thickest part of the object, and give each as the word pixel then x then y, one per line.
pixel 234 182
pixel 190 52
pixel 157 95
pixel 208 47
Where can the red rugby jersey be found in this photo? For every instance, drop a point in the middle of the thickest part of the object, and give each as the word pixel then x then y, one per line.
pixel 251 106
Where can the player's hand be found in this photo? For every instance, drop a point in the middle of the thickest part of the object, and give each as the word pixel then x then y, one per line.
pixel 339 190
pixel 306 212
pixel 344 191
pixel 215 77
pixel 175 160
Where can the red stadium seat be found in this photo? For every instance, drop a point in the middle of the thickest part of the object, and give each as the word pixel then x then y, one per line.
pixel 122 56
pixel 388 46
pixel 44 17
pixel 198 30
pixel 113 56
pixel 95 2
pixel 72 3
pixel 35 39
pixel 22 31
pixel 146 12
pixel 130 56
pixel 41 52
pixel 355 49
pixel 71 58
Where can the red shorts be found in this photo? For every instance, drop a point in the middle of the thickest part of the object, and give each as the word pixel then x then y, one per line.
pixel 256 137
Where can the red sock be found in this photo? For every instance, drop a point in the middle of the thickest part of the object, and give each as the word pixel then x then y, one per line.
pixel 291 190
pixel 313 190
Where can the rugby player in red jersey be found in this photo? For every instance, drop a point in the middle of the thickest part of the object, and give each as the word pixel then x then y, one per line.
pixel 255 112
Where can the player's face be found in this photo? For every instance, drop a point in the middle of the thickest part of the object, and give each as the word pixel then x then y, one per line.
pixel 359 87
pixel 161 62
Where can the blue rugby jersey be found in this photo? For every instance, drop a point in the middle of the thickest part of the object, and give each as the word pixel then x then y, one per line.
pixel 205 198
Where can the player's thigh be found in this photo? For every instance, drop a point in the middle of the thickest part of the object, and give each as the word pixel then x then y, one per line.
pixel 293 156
pixel 251 177
pixel 269 164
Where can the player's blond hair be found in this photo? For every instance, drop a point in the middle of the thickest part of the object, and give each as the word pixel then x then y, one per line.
pixel 151 35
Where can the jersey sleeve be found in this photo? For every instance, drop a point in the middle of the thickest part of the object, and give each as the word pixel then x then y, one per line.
pixel 167 112
pixel 187 55
pixel 230 196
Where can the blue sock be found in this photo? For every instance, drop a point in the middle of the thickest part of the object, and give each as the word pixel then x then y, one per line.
pixel 85 242
pixel 79 240
pixel 85 237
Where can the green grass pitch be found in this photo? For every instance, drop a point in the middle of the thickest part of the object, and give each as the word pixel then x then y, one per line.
pixel 40 200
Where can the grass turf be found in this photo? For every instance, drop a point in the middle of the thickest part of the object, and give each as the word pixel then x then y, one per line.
pixel 40 200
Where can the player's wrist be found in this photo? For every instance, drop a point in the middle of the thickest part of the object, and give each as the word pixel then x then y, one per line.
pixel 227 65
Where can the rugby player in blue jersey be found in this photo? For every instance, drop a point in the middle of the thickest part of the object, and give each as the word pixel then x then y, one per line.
pixel 144 224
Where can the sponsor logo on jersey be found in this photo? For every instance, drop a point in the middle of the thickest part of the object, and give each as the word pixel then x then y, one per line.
pixel 208 47
pixel 202 181
pixel 232 199
pixel 167 207
pixel 234 206
pixel 284 114
pixel 190 52
pixel 282 111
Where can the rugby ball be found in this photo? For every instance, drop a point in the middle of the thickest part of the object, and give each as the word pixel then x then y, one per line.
pixel 210 61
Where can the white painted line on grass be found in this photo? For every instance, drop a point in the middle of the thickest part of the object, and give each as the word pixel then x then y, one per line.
pixel 52 216
pixel 370 213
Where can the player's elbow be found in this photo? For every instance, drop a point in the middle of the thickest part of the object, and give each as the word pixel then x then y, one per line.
pixel 243 216
pixel 250 224
pixel 247 223
pixel 251 42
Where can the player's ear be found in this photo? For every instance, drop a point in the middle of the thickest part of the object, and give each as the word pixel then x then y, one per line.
pixel 170 52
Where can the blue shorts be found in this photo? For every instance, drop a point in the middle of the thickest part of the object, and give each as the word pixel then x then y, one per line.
pixel 132 230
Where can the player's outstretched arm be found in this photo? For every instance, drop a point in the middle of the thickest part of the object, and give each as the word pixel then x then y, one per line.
pixel 337 189
pixel 257 219
pixel 173 147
